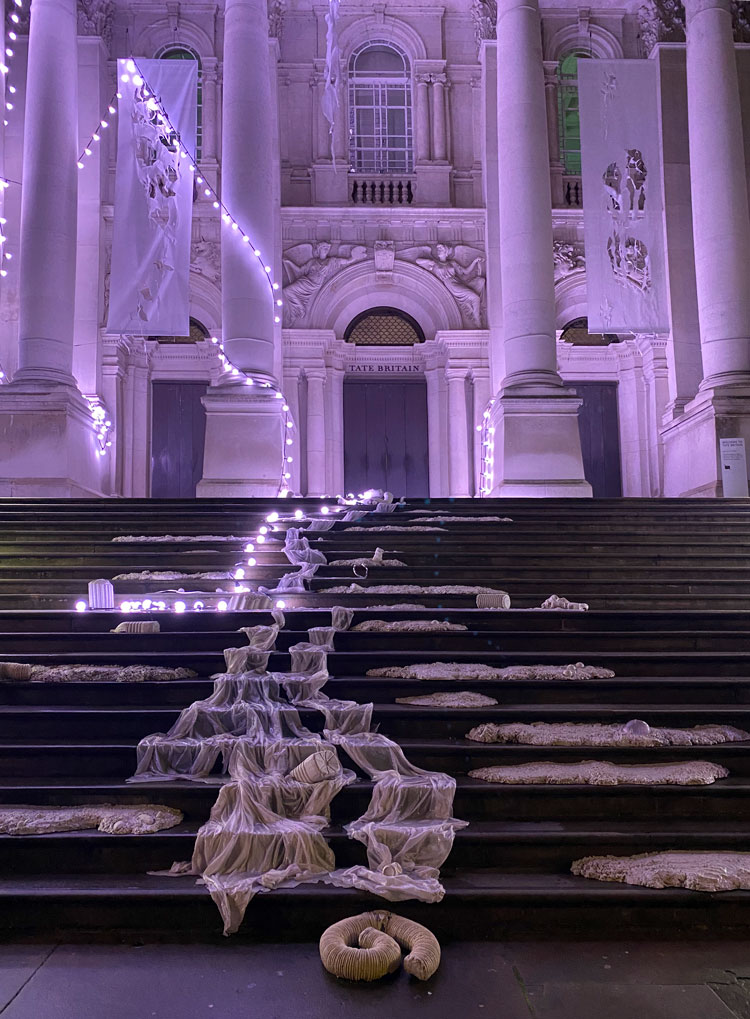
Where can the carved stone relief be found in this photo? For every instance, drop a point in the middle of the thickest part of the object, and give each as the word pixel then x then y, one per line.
pixel 568 257
pixel 484 16
pixel 95 18
pixel 664 21
pixel 276 11
pixel 205 258
pixel 307 267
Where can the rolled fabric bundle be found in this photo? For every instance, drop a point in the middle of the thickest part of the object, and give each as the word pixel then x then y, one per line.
pixel 15 670
pixel 317 767
pixel 493 600
pixel 101 594
pixel 137 626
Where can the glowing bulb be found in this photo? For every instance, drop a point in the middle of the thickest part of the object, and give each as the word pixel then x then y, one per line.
pixel 261 539
pixel 137 80
pixel 276 319
pixel 124 77
pixel 264 530
pixel 272 517
pixel 216 205
pixel 198 605
pixel 125 606
pixel 111 109
pixel 252 561
pixel 239 574
pixel 147 603
pixel 179 606
pixel 285 407
pixel 275 286
pixel 256 253
pixel 298 514
pixel 250 547
pixel 290 442
pixel 81 606
pixel 324 510
pixel 131 66
pixel 222 606
pixel 267 268
pixel 280 604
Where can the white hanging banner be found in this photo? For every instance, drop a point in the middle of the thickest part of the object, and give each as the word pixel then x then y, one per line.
pixel 153 199
pixel 623 207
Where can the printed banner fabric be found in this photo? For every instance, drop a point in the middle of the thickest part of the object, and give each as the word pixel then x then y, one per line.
pixel 153 201
pixel 622 196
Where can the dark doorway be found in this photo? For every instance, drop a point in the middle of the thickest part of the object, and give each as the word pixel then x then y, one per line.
pixel 599 426
pixel 385 437
pixel 178 429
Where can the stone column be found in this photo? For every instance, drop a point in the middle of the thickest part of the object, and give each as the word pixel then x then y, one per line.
pixel 422 131
pixel 434 416
pixel 247 176
pixel 49 198
pixel 244 446
pixel 537 445
pixel 458 432
pixel 553 132
pixel 316 432
pixel 437 92
pixel 47 443
pixel 721 224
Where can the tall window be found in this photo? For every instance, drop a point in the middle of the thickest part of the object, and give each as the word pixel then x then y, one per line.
pixel 380 116
pixel 184 53
pixel 570 122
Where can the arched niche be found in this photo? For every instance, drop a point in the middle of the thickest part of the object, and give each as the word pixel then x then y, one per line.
pixel 364 30
pixel 597 42
pixel 160 35
pixel 357 288
pixel 571 300
pixel 205 302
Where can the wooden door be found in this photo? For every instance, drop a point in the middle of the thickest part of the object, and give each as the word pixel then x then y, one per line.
pixel 385 437
pixel 599 425
pixel 178 430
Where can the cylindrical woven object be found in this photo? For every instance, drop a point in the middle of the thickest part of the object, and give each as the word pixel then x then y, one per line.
pixel 15 670
pixel 137 626
pixel 340 956
pixel 101 594
pixel 317 767
pixel 493 600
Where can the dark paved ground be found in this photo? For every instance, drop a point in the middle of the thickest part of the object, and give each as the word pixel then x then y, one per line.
pixel 487 980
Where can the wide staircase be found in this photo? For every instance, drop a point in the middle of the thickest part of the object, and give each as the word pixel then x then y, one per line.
pixel 667 583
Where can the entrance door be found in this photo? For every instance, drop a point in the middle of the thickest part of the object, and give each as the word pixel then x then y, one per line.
pixel 178 428
pixel 385 437
pixel 600 437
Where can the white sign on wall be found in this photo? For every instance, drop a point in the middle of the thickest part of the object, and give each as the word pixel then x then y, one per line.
pixel 623 208
pixel 733 468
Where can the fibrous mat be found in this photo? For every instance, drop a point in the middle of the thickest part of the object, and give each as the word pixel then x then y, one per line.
pixel 470 672
pixel 21 672
pixel 699 871
pixel 593 734
pixel 115 819
pixel 602 773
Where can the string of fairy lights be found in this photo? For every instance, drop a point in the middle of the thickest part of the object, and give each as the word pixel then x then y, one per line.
pixel 487 472
pixel 101 423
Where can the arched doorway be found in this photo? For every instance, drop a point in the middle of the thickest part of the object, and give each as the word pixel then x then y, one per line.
pixel 385 408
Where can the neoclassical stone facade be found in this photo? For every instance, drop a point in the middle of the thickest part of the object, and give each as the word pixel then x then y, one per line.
pixel 428 237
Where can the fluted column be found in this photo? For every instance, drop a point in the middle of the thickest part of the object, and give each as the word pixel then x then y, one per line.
pixel 721 224
pixel 248 146
pixel 423 118
pixel 316 432
pixel 49 197
pixel 553 132
pixel 458 432
pixel 439 144
pixel 525 202
pixel 210 89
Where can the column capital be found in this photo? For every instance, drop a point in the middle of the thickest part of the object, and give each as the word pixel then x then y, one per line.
pixel 551 68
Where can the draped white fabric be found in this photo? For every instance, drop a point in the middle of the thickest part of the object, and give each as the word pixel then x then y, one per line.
pixel 622 195
pixel 153 200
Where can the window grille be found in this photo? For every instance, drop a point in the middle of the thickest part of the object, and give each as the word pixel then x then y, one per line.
pixel 185 53
pixel 380 110
pixel 198 333
pixel 568 111
pixel 384 327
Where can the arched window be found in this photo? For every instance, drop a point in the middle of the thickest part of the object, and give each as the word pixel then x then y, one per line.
pixel 380 116
pixel 577 333
pixel 185 53
pixel 198 333
pixel 570 123
pixel 384 327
